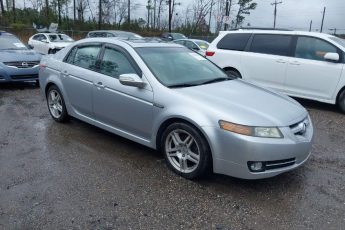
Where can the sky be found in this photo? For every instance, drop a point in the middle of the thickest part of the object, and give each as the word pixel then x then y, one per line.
pixel 291 14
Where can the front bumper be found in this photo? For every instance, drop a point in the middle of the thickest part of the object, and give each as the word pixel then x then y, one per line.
pixel 231 152
pixel 13 74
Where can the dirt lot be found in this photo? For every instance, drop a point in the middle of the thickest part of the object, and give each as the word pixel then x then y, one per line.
pixel 76 176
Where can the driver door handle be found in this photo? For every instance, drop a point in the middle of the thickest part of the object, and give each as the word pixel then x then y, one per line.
pixel 295 63
pixel 99 85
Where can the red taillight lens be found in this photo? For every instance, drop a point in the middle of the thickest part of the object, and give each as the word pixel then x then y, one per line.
pixel 210 53
pixel 42 66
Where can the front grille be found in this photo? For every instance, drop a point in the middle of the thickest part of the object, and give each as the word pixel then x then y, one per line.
pixel 22 64
pixel 18 77
pixel 279 164
pixel 300 128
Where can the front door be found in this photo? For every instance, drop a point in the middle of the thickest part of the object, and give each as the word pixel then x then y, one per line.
pixel 309 75
pixel 125 108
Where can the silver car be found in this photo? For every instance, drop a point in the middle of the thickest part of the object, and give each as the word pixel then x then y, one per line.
pixel 169 98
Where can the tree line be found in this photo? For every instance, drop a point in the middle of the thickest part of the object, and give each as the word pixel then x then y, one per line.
pixel 195 18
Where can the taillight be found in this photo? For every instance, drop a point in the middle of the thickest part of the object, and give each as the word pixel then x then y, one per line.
pixel 42 65
pixel 210 53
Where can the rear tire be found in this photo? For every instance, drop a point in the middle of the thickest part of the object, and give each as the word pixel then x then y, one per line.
pixel 341 101
pixel 56 104
pixel 233 73
pixel 186 151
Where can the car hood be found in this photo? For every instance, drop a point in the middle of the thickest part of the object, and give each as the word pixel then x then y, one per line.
pixel 61 44
pixel 243 103
pixel 19 55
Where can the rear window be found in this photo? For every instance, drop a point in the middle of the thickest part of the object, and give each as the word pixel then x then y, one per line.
pixel 234 42
pixel 271 44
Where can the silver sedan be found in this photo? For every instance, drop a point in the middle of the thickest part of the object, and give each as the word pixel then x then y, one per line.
pixel 169 98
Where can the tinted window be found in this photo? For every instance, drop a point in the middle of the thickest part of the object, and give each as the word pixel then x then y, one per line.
pixel 191 45
pixel 84 57
pixel 180 42
pixel 115 63
pixel 234 42
pixel 37 37
pixel 271 44
pixel 313 48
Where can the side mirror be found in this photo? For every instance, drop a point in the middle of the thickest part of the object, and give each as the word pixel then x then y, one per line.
pixel 334 57
pixel 131 79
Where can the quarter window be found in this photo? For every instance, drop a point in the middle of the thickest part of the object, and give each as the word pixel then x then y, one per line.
pixel 84 57
pixel 313 48
pixel 271 44
pixel 236 41
pixel 115 63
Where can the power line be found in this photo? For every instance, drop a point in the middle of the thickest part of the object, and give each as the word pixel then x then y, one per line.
pixel 275 3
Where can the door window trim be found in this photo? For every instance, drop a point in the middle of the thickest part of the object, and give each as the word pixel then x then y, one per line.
pixel 339 51
pixel 123 51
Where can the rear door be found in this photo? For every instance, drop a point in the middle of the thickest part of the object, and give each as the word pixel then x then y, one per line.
pixel 128 109
pixel 266 61
pixel 78 75
pixel 308 73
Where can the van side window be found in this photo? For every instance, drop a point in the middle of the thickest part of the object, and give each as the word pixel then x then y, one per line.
pixel 271 44
pixel 237 41
pixel 313 48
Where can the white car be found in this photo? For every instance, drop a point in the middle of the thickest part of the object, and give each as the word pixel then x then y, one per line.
pixel 301 64
pixel 49 43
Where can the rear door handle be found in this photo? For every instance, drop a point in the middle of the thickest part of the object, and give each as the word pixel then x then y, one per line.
pixel 295 63
pixel 99 85
pixel 281 61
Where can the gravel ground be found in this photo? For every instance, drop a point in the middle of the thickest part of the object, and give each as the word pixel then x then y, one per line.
pixel 76 176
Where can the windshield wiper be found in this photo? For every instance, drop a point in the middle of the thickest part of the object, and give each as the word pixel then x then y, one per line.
pixel 216 80
pixel 182 85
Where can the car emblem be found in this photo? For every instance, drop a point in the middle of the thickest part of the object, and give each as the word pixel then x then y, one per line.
pixel 303 127
pixel 25 64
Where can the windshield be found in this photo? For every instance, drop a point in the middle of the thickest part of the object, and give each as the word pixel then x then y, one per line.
pixel 178 36
pixel 59 38
pixel 340 41
pixel 11 43
pixel 178 66
pixel 203 45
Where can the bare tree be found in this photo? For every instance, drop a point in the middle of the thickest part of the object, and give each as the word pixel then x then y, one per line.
pixel 201 8
pixel 245 6
pixel 2 7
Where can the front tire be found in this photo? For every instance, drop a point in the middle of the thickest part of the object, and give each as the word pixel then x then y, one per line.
pixel 56 104
pixel 233 73
pixel 341 101
pixel 186 151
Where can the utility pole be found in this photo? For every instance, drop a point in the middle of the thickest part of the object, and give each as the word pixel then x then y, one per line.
pixel 154 13
pixel 129 12
pixel 323 18
pixel 73 11
pixel 275 3
pixel 170 15
pixel 100 15
pixel 209 20
pixel 47 8
pixel 227 12
pixel 311 23
pixel 59 11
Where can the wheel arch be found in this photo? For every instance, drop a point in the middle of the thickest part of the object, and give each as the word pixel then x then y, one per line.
pixel 232 68
pixel 339 93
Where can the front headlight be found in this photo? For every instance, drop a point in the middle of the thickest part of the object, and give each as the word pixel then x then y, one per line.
pixel 267 132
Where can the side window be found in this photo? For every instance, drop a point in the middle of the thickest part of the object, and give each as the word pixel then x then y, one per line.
pixel 236 41
pixel 271 44
pixel 191 45
pixel 313 48
pixel 109 35
pixel 36 37
pixel 115 63
pixel 180 42
pixel 85 56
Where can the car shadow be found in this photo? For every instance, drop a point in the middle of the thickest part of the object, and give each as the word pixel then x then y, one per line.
pixel 310 104
pixel 18 85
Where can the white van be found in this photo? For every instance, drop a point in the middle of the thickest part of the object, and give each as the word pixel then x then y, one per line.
pixel 300 64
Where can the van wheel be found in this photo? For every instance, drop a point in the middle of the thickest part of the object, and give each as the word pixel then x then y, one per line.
pixel 233 73
pixel 186 151
pixel 341 101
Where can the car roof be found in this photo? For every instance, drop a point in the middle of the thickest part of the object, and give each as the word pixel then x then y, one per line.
pixel 286 32
pixel 135 43
pixel 112 31
pixel 190 39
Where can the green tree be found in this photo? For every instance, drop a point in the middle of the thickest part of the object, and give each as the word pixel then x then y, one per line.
pixel 245 6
